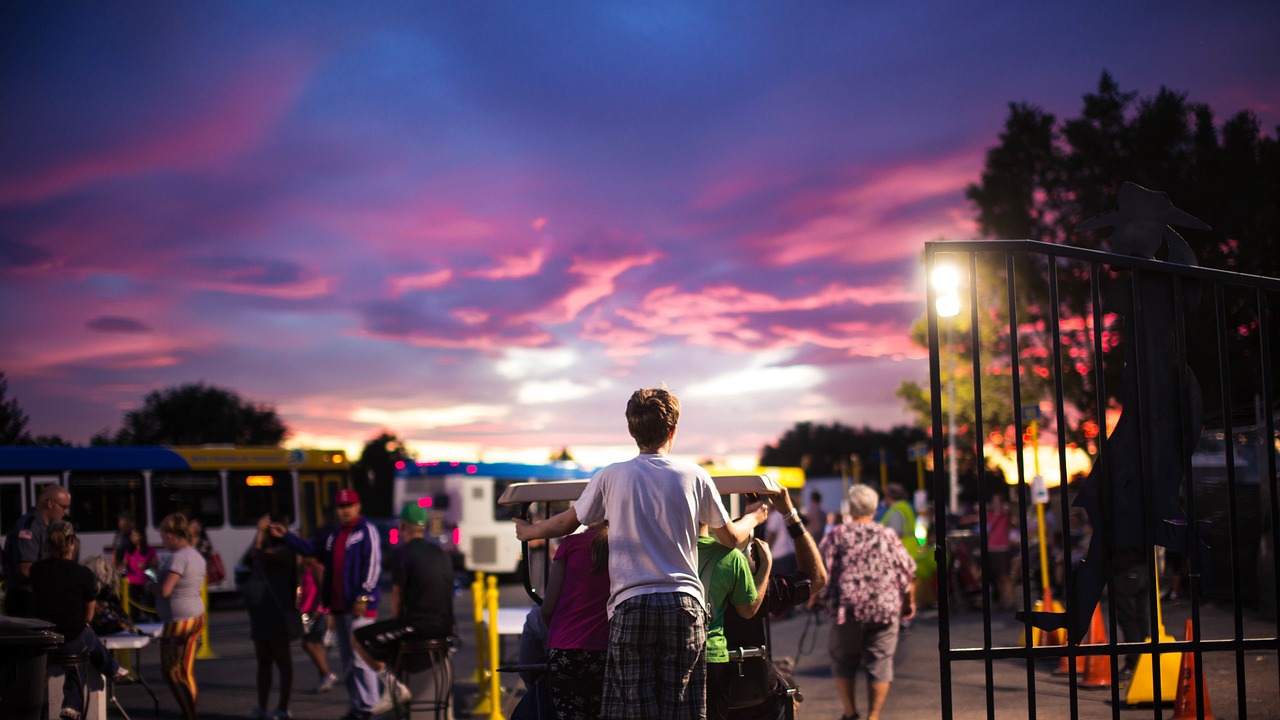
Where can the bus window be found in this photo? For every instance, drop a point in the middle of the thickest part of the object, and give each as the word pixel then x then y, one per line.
pixel 254 494
pixel 96 499
pixel 194 494
pixel 12 503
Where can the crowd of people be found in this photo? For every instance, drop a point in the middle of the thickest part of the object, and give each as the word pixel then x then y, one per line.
pixel 653 592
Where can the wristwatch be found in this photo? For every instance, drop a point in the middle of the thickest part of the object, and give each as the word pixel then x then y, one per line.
pixel 791 516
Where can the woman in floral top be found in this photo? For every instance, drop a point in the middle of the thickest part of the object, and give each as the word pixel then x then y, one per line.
pixel 869 591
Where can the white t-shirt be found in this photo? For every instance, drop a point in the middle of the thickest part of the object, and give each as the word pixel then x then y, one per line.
pixel 780 542
pixel 654 505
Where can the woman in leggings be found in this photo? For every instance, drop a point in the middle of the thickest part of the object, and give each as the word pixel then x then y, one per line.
pixel 181 610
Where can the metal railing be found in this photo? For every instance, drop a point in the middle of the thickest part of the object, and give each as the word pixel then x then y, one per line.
pixel 1159 392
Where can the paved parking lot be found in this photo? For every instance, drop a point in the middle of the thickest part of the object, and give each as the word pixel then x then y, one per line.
pixel 227 681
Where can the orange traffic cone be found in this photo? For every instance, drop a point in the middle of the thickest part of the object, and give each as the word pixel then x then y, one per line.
pixel 1097 669
pixel 1187 699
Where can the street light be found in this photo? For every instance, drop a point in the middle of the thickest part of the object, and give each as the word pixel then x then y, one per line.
pixel 946 281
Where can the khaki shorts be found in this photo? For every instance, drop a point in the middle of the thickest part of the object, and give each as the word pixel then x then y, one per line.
pixel 867 645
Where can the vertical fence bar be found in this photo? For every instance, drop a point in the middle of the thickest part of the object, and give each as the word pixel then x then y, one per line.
pixel 1016 370
pixel 1065 512
pixel 935 403
pixel 980 468
pixel 1229 455
pixel 1264 338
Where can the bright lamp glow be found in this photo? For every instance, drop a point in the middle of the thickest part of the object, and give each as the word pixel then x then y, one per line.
pixel 946 279
pixel 948 305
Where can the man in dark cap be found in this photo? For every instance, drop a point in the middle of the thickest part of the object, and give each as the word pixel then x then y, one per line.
pixel 352 557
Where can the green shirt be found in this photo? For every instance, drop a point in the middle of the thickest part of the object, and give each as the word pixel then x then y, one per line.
pixel 726 580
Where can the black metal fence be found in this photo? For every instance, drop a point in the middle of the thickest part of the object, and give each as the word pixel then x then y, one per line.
pixel 1107 349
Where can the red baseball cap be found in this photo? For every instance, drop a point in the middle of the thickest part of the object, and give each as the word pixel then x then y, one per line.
pixel 347 496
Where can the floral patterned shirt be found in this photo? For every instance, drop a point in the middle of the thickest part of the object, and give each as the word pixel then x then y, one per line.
pixel 869 570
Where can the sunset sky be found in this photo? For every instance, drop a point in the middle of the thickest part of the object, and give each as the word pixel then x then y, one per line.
pixel 481 225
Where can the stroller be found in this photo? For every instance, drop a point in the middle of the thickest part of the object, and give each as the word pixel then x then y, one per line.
pixel 110 617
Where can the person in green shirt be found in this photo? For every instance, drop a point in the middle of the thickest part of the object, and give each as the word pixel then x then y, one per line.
pixel 727 580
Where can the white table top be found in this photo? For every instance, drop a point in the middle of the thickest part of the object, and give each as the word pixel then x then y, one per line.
pixel 125 641
pixel 511 620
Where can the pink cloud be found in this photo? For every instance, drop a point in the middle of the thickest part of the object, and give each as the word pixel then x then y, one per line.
pixel 513 266
pixel 431 280
pixel 598 280
pixel 209 133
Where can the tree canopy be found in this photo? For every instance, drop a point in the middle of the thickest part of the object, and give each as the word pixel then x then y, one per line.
pixel 1045 176
pixel 13 422
pixel 197 414
pixel 374 473
pixel 825 450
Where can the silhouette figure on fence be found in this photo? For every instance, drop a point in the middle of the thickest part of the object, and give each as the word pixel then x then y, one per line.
pixel 1155 431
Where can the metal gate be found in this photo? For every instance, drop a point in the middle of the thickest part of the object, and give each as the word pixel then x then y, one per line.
pixel 1047 331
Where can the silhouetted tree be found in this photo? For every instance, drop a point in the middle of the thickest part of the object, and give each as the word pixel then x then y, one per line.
pixel 823 450
pixel 13 422
pixel 197 414
pixel 1044 177
pixel 374 473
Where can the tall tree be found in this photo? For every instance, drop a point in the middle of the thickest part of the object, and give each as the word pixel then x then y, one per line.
pixel 13 422
pixel 374 473
pixel 198 414
pixel 824 450
pixel 1044 177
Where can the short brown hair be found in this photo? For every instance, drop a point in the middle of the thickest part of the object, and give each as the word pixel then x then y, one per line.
pixel 176 524
pixel 652 414
pixel 60 540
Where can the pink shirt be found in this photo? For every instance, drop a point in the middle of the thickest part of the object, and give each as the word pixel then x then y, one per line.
pixel 580 621
pixel 136 563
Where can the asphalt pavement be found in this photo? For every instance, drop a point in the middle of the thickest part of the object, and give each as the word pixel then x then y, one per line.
pixel 227 681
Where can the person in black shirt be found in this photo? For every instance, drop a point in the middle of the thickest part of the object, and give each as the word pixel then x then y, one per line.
pixel 64 593
pixel 421 595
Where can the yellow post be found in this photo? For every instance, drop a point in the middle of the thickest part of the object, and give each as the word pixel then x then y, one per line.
pixel 1034 430
pixel 484 702
pixel 124 657
pixel 205 652
pixel 495 687
pixel 920 473
pixel 477 598
pixel 884 471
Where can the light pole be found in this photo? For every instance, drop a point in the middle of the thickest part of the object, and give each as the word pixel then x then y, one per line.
pixel 946 281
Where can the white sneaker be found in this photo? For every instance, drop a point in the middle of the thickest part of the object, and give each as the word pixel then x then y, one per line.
pixel 326 684
pixel 279 714
pixel 69 714
pixel 384 704
pixel 402 693
pixel 329 638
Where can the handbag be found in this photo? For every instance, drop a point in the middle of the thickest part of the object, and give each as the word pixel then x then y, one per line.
pixel 215 573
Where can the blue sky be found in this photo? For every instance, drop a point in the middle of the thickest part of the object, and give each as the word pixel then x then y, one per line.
pixel 482 225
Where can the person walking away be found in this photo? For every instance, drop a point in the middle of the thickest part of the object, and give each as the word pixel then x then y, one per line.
pixel 870 589
pixel 274 621
pixel 120 541
pixel 64 593
pixel 181 610
pixel 575 613
pixel 136 559
pixel 815 518
pixel 781 592
pixel 899 517
pixel 727 580
pixel 315 621
pixel 352 557
pixel 998 551
pixel 656 666
pixel 421 602
pixel 781 547
pixel 26 544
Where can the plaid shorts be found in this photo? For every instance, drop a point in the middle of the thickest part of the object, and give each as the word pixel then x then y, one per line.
pixel 657 666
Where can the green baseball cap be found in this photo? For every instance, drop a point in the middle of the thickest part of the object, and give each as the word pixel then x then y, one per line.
pixel 413 514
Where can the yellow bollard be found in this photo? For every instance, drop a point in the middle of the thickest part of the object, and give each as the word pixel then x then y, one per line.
pixel 477 598
pixel 124 657
pixel 205 652
pixel 484 703
pixel 495 688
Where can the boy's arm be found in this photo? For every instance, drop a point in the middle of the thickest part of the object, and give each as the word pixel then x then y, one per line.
pixel 553 527
pixel 764 564
pixel 807 554
pixel 736 532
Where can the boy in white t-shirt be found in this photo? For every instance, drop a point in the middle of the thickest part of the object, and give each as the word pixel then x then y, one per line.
pixel 654 505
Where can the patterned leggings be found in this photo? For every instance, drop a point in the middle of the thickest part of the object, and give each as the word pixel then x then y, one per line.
pixel 577 683
pixel 177 655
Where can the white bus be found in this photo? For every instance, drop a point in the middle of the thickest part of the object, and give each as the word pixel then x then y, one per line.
pixel 462 502
pixel 227 488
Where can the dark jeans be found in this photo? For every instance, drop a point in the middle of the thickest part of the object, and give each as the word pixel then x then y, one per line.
pixel 100 658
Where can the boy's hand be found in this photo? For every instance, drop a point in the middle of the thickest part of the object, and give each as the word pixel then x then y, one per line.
pixel 524 530
pixel 782 502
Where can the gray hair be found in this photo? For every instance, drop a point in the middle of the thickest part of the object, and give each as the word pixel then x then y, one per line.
pixel 862 500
